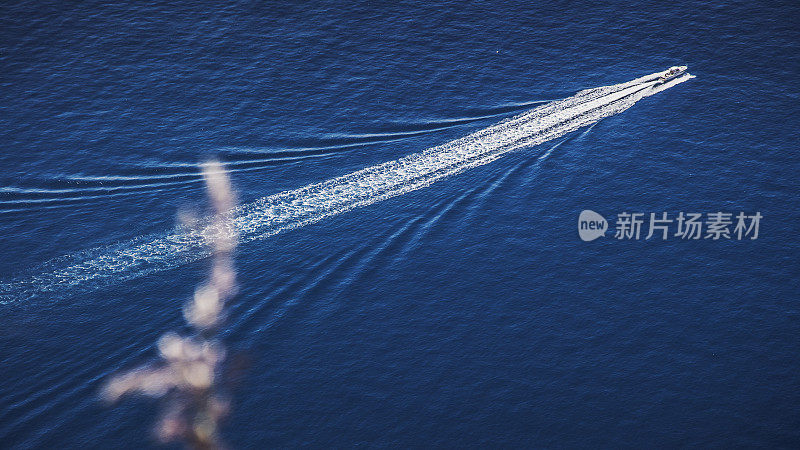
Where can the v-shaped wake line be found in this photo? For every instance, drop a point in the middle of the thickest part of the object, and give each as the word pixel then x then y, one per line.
pixel 295 208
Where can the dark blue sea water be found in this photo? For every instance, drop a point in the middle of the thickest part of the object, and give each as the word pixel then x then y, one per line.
pixel 468 313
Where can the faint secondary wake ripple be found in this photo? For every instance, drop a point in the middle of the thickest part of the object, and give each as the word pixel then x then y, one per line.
pixel 296 208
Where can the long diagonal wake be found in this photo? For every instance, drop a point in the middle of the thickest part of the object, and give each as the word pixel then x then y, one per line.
pixel 291 209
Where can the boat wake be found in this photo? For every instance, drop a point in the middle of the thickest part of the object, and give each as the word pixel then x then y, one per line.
pixel 292 209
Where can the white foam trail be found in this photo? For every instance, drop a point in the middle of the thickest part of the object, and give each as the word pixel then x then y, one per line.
pixel 669 84
pixel 291 209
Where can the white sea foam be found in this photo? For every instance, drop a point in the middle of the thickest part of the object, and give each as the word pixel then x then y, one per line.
pixel 296 208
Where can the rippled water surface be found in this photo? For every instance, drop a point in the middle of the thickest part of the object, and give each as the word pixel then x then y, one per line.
pixel 446 301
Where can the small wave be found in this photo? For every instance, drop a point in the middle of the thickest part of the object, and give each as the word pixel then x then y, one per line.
pixel 71 190
pixel 110 186
pixel 349 267
pixel 86 188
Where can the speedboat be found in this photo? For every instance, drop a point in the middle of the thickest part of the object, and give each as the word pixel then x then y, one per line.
pixel 673 72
